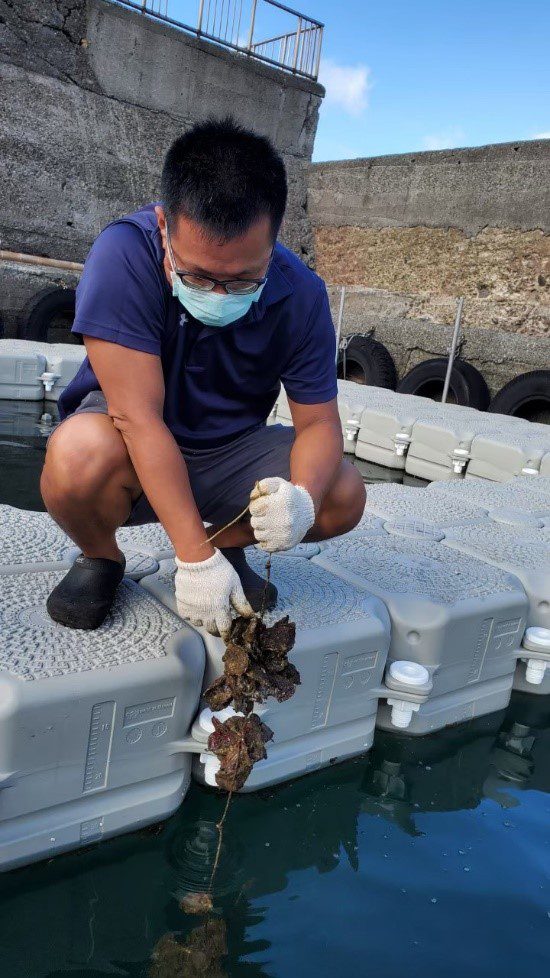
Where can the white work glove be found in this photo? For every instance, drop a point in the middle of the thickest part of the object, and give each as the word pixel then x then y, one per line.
pixel 280 514
pixel 205 592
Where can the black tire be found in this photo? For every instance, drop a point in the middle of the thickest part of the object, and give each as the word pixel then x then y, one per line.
pixel 526 396
pixel 49 317
pixel 467 386
pixel 367 362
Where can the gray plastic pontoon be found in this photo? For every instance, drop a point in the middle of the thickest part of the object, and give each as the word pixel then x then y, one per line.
pixel 87 719
pixel 461 619
pixel 342 641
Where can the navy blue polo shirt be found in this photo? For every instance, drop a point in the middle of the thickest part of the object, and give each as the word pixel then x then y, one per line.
pixel 220 382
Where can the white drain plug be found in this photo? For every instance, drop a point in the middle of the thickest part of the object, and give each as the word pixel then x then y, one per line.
pixel 536 640
pixel 410 674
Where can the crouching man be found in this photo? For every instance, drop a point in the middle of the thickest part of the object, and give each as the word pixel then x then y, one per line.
pixel 192 315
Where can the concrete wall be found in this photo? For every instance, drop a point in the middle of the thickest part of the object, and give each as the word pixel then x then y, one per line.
pixel 400 323
pixel 502 186
pixel 92 96
pixel 413 232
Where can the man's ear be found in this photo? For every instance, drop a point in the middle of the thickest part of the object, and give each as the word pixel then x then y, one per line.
pixel 161 219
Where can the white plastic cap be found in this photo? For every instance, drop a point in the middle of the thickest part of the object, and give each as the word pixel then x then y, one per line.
pixel 401 443
pixel 205 718
pixel 48 379
pixel 409 673
pixel 351 429
pixel 537 639
pixel 212 765
pixel 459 459
pixel 535 670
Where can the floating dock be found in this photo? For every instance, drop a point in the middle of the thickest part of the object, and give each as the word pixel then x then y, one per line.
pixel 429 613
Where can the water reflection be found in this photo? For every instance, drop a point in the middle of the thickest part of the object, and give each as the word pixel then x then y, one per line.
pixel 443 772
pixel 373 473
pixel 521 754
pixel 104 911
pixel 23 435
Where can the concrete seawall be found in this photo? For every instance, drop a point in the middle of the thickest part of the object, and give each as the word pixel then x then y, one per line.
pixel 413 232
pixel 411 336
pixel 93 95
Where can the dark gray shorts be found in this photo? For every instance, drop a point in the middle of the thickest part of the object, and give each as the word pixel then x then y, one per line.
pixel 221 478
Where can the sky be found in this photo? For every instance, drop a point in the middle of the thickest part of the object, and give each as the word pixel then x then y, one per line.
pixel 433 74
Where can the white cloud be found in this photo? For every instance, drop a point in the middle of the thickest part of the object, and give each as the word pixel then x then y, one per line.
pixel 541 135
pixel 447 139
pixel 347 86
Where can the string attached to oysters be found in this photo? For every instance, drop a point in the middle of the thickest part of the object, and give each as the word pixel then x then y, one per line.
pixel 256 667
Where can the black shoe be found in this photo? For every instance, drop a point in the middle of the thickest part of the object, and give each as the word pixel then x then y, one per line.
pixel 253 584
pixel 85 596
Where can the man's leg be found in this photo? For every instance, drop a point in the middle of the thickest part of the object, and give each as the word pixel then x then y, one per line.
pixel 340 512
pixel 88 484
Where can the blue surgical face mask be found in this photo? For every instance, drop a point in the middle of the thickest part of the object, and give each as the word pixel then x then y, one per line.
pixel 213 308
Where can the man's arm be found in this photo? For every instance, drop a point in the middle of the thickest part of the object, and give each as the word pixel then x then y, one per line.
pixel 281 512
pixel 133 385
pixel 318 448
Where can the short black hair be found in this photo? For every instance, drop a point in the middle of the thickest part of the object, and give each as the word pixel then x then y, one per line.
pixel 224 178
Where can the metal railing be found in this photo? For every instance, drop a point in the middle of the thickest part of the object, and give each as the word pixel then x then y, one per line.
pixel 266 30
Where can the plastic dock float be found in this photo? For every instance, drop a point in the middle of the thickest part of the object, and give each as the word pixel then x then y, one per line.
pixel 90 721
pixel 386 429
pixel 529 560
pixel 501 455
pixel 342 641
pixel 441 444
pixel 460 619
pixel 352 401
pixel 441 509
pixel 520 545
pixel 32 371
pixel 63 361
pixel 22 364
pixel 150 539
pixel 31 541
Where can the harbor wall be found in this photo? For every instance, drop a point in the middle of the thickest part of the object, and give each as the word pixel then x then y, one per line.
pixel 413 232
pixel 93 94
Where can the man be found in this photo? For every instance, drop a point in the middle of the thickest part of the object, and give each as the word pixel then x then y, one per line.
pixel 192 314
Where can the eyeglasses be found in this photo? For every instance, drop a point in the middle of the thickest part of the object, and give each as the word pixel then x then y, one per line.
pixel 202 283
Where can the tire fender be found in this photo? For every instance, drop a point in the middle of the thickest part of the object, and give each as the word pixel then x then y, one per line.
pixel 366 361
pixel 467 386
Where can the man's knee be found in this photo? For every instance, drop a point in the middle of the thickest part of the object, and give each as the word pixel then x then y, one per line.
pixel 84 455
pixel 345 503
pixel 352 498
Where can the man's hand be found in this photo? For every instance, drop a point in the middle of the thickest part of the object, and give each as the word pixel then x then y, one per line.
pixel 280 514
pixel 206 591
